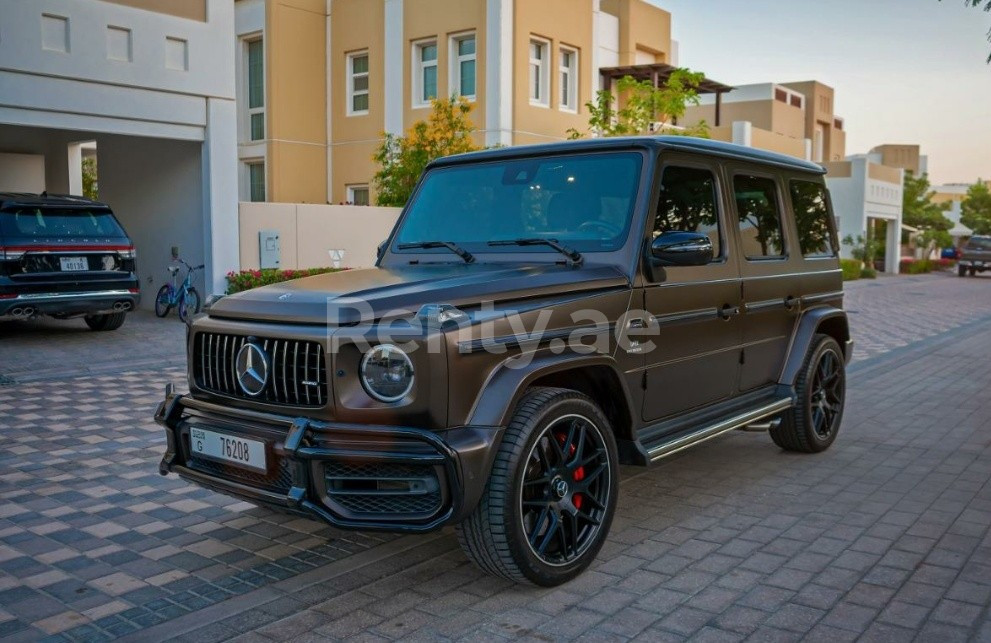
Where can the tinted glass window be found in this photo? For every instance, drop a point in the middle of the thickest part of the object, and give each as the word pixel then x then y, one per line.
pixel 688 203
pixel 49 223
pixel 584 201
pixel 979 243
pixel 760 219
pixel 808 199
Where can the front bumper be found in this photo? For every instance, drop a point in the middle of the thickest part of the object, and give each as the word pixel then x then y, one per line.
pixel 69 303
pixel 364 477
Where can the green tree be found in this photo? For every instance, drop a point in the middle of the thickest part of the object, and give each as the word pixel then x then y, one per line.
pixel 918 211
pixel 91 188
pixel 402 159
pixel 644 104
pixel 986 5
pixel 975 211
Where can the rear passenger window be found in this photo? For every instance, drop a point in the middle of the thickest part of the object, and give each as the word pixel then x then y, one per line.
pixel 808 200
pixel 688 204
pixel 760 219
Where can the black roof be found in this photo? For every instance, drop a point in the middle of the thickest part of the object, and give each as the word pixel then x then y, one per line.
pixel 29 198
pixel 683 143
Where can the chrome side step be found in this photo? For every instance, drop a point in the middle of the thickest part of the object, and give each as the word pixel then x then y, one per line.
pixel 708 432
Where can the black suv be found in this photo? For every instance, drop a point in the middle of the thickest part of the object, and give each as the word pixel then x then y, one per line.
pixel 538 316
pixel 975 256
pixel 64 256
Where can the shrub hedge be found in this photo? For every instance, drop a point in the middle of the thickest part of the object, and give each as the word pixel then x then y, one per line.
pixel 248 279
pixel 851 269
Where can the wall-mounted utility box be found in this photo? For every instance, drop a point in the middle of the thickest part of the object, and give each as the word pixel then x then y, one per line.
pixel 268 245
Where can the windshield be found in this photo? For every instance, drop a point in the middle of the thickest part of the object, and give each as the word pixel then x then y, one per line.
pixel 979 243
pixel 28 223
pixel 582 201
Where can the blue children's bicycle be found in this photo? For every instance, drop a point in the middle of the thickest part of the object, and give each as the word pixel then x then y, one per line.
pixel 182 296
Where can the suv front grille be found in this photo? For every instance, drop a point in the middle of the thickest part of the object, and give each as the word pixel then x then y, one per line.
pixel 278 478
pixel 297 372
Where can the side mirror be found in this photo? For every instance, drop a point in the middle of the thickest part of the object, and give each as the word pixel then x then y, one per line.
pixel 678 248
pixel 380 250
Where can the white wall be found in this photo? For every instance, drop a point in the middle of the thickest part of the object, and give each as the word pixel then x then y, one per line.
pixel 155 187
pixel 210 57
pixel 22 172
pixel 308 232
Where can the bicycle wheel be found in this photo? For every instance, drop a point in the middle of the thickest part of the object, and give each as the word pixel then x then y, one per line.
pixel 163 302
pixel 189 304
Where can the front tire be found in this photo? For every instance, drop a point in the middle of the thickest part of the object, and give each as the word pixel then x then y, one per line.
pixel 811 425
pixel 962 271
pixel 189 304
pixel 111 321
pixel 550 498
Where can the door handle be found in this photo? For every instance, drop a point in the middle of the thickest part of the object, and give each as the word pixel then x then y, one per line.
pixel 728 311
pixel 638 323
pixel 791 303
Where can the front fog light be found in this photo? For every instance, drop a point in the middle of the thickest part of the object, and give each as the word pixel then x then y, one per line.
pixel 387 373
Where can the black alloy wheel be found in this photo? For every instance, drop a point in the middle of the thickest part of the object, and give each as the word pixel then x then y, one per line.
pixel 564 492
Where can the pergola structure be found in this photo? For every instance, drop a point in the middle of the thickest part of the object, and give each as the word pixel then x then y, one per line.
pixel 658 74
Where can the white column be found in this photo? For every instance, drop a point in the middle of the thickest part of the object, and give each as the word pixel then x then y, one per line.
pixel 74 152
pixel 893 244
pixel 743 132
pixel 595 82
pixel 220 218
pixel 330 107
pixel 499 72
pixel 394 44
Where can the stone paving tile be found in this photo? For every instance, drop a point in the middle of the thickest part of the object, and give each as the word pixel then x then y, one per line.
pixel 885 536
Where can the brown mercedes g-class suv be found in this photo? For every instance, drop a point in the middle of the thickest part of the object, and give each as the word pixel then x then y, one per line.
pixel 538 316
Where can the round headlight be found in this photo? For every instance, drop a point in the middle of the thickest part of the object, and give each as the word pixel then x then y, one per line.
pixel 387 373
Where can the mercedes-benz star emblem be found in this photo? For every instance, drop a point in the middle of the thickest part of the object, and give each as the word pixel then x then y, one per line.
pixel 252 369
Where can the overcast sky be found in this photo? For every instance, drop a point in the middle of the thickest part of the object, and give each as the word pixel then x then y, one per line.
pixel 905 71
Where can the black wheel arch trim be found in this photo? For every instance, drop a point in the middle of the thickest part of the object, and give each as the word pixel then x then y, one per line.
pixel 504 388
pixel 832 321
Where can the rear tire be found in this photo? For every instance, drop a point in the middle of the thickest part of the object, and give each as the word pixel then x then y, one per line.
pixel 162 303
pixel 111 321
pixel 973 272
pixel 189 304
pixel 550 498
pixel 812 424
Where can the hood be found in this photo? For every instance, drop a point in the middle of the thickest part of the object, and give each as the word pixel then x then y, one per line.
pixel 354 296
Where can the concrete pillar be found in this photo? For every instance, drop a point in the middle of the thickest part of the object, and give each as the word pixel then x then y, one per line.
pixel 893 246
pixel 499 72
pixel 743 132
pixel 220 220
pixel 393 44
pixel 74 153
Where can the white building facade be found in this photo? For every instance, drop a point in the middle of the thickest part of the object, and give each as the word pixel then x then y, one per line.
pixel 151 84
pixel 863 194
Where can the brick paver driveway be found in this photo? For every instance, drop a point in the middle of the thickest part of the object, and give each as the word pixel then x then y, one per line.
pixel 885 535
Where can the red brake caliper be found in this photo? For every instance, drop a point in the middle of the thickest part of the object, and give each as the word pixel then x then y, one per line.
pixel 579 474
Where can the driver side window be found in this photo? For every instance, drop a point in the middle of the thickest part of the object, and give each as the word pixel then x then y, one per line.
pixel 688 204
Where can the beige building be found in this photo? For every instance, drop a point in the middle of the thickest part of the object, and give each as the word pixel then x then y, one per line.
pixel 905 157
pixel 791 118
pixel 320 81
pixel 954 194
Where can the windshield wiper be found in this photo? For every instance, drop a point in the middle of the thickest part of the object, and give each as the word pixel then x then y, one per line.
pixel 574 257
pixel 450 245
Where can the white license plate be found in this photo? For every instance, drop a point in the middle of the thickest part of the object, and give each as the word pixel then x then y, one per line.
pixel 229 448
pixel 74 263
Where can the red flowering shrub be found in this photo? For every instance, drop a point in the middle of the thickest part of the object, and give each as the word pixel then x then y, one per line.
pixel 248 279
